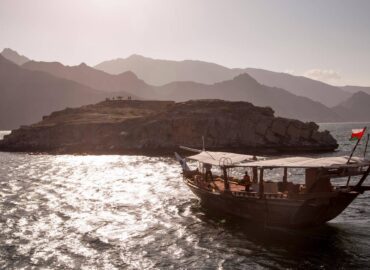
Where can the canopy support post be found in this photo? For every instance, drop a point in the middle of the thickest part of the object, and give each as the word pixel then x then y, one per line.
pixel 255 175
pixel 364 176
pixel 349 178
pixel 261 187
pixel 226 180
pixel 285 179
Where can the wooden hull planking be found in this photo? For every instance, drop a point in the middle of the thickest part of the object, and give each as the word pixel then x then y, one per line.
pixel 301 211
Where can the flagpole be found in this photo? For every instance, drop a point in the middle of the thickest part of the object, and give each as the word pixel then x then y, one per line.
pixel 354 148
pixel 367 141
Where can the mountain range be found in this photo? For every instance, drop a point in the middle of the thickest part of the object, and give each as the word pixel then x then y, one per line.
pixel 32 89
pixel 356 108
pixel 124 82
pixel 241 88
pixel 160 72
pixel 355 89
pixel 245 88
pixel 28 95
pixel 14 57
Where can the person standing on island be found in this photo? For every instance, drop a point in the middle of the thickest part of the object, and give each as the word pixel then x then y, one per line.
pixel 247 181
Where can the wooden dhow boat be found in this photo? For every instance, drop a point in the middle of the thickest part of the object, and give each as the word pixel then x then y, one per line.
pixel 284 192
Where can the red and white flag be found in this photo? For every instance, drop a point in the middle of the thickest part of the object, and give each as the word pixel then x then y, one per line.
pixel 357 134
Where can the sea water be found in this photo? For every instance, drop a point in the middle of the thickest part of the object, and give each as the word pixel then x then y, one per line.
pixel 134 212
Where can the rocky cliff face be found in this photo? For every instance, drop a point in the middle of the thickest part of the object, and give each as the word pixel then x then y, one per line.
pixel 159 127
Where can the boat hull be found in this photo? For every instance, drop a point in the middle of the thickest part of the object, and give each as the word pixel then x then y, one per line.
pixel 306 211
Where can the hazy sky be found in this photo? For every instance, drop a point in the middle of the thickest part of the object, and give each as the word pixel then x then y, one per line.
pixel 327 40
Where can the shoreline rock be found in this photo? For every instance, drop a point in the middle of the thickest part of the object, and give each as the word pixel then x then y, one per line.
pixel 159 127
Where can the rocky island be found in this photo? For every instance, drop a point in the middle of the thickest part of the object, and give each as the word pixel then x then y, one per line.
pixel 159 127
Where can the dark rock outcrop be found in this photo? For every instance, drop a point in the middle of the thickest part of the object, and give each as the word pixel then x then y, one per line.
pixel 159 127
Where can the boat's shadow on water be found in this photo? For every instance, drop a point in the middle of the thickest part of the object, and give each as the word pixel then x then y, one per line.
pixel 329 246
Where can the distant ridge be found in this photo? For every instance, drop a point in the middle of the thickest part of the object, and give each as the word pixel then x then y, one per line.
pixel 27 95
pixel 240 88
pixel 356 108
pixel 125 83
pixel 13 56
pixel 160 72
pixel 245 88
pixel 62 86
pixel 354 89
pixel 316 90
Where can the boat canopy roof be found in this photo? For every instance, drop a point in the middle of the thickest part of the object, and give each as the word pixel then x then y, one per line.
pixel 222 158
pixel 307 162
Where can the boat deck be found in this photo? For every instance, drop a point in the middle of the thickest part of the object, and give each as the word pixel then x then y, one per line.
pixel 218 186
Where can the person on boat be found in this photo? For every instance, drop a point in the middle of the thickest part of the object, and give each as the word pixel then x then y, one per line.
pixel 208 168
pixel 247 181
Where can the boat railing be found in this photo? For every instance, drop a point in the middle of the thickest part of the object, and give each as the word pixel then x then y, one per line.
pixel 199 182
pixel 246 194
pixel 266 195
